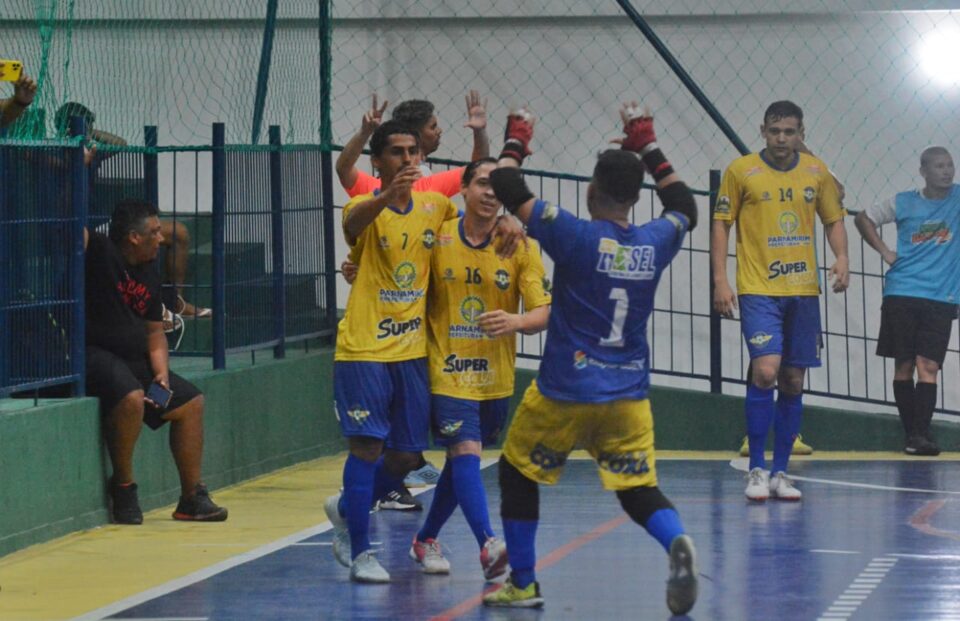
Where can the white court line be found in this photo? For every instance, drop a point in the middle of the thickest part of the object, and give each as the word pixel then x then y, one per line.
pixel 742 464
pixel 850 600
pixel 818 551
pixel 928 557
pixel 160 618
pixel 222 566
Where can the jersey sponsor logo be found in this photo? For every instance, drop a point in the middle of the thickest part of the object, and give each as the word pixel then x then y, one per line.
pixel 429 239
pixel 444 240
pixel 460 331
pixel 550 213
pixel 759 339
pixel 405 274
pixel 471 308
pixel 789 269
pixel 448 273
pixel 358 415
pixel 547 458
pixel 389 328
pixel 624 463
pixel 809 194
pixel 626 262
pixel 453 364
pixel 814 169
pixel 789 223
pixel 756 170
pixel 581 361
pixel 384 242
pixel 400 297
pixel 938 232
pixel 766 197
pixel 723 205
pixel 429 207
pixel 547 285
pixel 502 280
pixel 451 429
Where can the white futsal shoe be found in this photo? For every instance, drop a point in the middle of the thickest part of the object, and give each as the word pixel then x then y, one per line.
pixel 758 485
pixel 781 487
pixel 366 568
pixel 430 556
pixel 341 536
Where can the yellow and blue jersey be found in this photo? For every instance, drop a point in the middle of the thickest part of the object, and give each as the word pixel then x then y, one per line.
pixel 465 282
pixel 384 318
pixel 605 278
pixel 774 213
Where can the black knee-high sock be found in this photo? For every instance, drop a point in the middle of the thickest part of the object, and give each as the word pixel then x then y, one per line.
pixel 903 394
pixel 925 397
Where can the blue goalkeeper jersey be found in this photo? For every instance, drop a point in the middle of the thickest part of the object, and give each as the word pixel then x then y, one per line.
pixel 605 278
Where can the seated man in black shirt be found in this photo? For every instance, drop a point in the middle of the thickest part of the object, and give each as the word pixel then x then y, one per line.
pixel 127 352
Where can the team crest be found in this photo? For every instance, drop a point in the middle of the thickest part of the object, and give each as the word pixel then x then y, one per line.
pixel 579 360
pixel 502 280
pixel 451 429
pixel 429 239
pixel 809 194
pixel 789 222
pixel 760 339
pixel 358 415
pixel 471 308
pixel 384 243
pixel 723 205
pixel 405 275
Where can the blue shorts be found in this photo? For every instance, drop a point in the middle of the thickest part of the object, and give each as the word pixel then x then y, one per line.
pixel 458 420
pixel 385 400
pixel 785 326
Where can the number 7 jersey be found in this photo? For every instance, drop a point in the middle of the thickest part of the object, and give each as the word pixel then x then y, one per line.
pixel 605 278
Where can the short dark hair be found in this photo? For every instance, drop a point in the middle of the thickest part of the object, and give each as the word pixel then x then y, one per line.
pixel 72 108
pixel 471 170
pixel 929 152
pixel 782 110
pixel 618 176
pixel 378 142
pixel 414 112
pixel 129 215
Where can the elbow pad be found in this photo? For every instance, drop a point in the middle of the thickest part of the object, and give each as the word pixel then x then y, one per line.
pixel 510 188
pixel 677 197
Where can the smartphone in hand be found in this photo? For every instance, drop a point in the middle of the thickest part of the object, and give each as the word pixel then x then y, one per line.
pixel 10 70
pixel 159 395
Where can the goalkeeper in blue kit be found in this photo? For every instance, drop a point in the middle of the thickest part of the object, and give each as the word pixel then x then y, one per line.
pixel 591 391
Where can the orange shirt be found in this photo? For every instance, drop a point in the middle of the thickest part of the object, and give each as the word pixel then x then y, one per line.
pixel 446 183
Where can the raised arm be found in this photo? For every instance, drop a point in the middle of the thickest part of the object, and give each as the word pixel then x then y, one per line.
pixel 507 180
pixel 11 108
pixel 347 160
pixel 477 121
pixel 365 212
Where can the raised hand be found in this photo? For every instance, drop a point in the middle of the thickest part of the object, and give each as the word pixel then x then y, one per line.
pixel 637 127
pixel 476 111
pixel 373 117
pixel 518 134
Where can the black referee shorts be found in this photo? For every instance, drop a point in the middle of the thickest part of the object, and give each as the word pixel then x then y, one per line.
pixel 111 378
pixel 911 327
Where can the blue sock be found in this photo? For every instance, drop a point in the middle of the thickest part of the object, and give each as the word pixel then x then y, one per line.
pixel 443 505
pixel 786 426
pixel 472 496
pixel 521 536
pixel 664 526
pixel 356 499
pixel 759 409
pixel 384 482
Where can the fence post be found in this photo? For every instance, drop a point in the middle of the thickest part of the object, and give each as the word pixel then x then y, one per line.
pixel 263 74
pixel 276 212
pixel 326 164
pixel 80 185
pixel 5 268
pixel 219 199
pixel 151 174
pixel 716 361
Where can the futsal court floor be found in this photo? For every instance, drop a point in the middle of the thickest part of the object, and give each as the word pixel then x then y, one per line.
pixel 876 537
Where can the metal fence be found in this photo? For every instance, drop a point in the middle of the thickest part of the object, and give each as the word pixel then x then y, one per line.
pixel 252 239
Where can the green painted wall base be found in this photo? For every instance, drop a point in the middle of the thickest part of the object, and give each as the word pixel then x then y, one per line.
pixel 277 413
pixel 257 419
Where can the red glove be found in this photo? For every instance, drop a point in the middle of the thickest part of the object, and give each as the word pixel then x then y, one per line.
pixel 639 131
pixel 517 135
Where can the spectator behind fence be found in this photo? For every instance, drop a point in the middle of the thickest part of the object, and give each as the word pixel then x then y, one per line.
pixel 176 237
pixel 921 290
pixel 127 354
pixel 12 107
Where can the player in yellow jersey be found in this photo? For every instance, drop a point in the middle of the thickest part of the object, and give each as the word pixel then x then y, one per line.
pixel 773 197
pixel 472 317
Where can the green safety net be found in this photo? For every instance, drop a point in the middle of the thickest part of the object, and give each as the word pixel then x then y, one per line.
pixel 180 65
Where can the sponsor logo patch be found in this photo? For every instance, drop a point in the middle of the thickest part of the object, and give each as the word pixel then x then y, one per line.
pixel 550 212
pixel 358 415
pixel 547 458
pixel 388 328
pixel 937 232
pixel 760 339
pixel 405 274
pixel 471 308
pixel 809 194
pixel 723 205
pixel 626 463
pixel 626 262
pixel 451 429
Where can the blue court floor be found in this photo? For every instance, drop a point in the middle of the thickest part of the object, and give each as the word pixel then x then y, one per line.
pixel 871 540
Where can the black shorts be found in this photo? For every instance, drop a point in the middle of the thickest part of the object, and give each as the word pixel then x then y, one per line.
pixel 911 327
pixel 111 378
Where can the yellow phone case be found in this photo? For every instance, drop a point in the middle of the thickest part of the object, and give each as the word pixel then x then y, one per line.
pixel 10 70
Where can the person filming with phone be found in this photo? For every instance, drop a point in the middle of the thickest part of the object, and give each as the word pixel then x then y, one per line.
pixel 127 365
pixel 24 90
